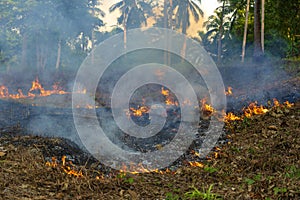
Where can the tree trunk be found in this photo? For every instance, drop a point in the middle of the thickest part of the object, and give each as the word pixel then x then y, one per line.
pixel 258 53
pixel 167 25
pixel 125 27
pixel 221 35
pixel 58 54
pixel 24 52
pixel 263 25
pixel 245 30
pixel 183 31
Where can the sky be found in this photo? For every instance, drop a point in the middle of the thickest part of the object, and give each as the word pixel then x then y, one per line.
pixel 208 6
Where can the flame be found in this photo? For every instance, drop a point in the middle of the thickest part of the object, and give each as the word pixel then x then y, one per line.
pixel 139 168
pixel 196 164
pixel 231 117
pixel 276 103
pixel 169 100
pixel 3 91
pixel 207 109
pixel 35 90
pixel 66 168
pixel 139 111
pixel 288 104
pixel 254 109
pixel 229 91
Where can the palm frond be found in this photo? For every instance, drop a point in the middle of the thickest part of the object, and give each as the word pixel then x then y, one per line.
pixel 118 5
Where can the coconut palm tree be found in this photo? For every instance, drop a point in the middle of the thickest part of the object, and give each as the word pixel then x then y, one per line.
pixel 133 14
pixel 184 9
pixel 218 26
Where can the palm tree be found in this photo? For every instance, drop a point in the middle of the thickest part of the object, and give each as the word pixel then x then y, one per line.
pixel 184 9
pixel 133 14
pixel 218 26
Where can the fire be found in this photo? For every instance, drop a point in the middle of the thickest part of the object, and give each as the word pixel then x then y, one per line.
pixel 288 104
pixel 139 111
pixel 207 109
pixel 231 117
pixel 37 86
pixel 276 103
pixel 254 109
pixel 196 164
pixel 3 91
pixel 67 169
pixel 35 90
pixel 229 91
pixel 139 168
pixel 169 100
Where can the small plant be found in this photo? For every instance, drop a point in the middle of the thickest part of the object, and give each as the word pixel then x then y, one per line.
pixel 171 196
pixel 206 194
pixel 210 169
pixel 279 190
pixel 292 172
pixel 249 181
pixel 245 122
pixel 257 177
pixel 129 180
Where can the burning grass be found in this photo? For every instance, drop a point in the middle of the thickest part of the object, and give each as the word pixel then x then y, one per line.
pixel 261 162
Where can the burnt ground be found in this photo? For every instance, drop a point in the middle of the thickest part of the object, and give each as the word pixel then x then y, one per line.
pixel 261 161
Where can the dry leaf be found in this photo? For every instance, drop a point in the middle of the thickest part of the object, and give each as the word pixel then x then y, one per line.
pixel 2 154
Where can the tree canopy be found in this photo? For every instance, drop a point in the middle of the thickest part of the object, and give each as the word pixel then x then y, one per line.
pixel 54 34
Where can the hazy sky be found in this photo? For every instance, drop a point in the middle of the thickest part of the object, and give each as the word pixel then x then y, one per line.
pixel 208 6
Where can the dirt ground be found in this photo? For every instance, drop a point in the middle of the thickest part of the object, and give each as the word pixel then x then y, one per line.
pixel 261 161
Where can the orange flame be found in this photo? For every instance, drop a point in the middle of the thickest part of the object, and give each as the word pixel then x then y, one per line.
pixel 254 109
pixel 169 99
pixel 139 111
pixel 67 169
pixel 288 104
pixel 196 164
pixel 207 109
pixel 231 117
pixel 35 90
pixel 229 91
pixel 139 168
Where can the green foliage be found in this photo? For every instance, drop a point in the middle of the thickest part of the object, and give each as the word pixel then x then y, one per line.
pixel 292 172
pixel 253 180
pixel 205 194
pixel 249 181
pixel 278 190
pixel 171 196
pixel 282 29
pixel 129 180
pixel 210 169
pixel 32 30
